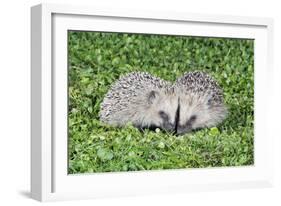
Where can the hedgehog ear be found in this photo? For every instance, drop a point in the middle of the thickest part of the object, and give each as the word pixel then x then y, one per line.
pixel 152 95
pixel 210 101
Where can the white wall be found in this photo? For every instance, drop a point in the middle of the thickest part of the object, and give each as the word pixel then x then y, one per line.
pixel 15 95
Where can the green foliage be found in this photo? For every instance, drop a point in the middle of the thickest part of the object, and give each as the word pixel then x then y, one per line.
pixel 96 60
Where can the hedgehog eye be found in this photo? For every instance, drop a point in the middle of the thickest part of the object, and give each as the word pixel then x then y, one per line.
pixel 163 115
pixel 192 118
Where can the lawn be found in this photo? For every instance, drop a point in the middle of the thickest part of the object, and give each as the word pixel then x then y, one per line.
pixel 96 60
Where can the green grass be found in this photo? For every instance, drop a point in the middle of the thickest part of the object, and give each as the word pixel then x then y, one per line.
pixel 96 60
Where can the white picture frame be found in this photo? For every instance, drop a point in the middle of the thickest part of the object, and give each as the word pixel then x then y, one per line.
pixel 49 178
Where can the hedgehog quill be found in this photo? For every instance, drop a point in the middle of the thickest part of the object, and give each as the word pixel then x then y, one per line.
pixel 194 101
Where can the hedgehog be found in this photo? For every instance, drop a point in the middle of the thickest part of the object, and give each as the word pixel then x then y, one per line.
pixel 200 103
pixel 142 100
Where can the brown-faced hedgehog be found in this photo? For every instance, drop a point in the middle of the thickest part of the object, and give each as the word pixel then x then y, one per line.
pixel 141 99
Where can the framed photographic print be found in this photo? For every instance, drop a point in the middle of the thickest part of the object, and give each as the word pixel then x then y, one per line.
pixel 136 102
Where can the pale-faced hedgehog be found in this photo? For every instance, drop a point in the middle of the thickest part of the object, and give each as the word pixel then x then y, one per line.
pixel 194 101
pixel 200 102
pixel 141 99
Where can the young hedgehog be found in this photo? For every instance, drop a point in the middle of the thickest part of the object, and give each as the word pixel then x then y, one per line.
pixel 142 99
pixel 200 102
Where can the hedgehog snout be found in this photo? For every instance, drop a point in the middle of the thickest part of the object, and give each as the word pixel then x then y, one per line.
pixel 180 130
pixel 169 127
